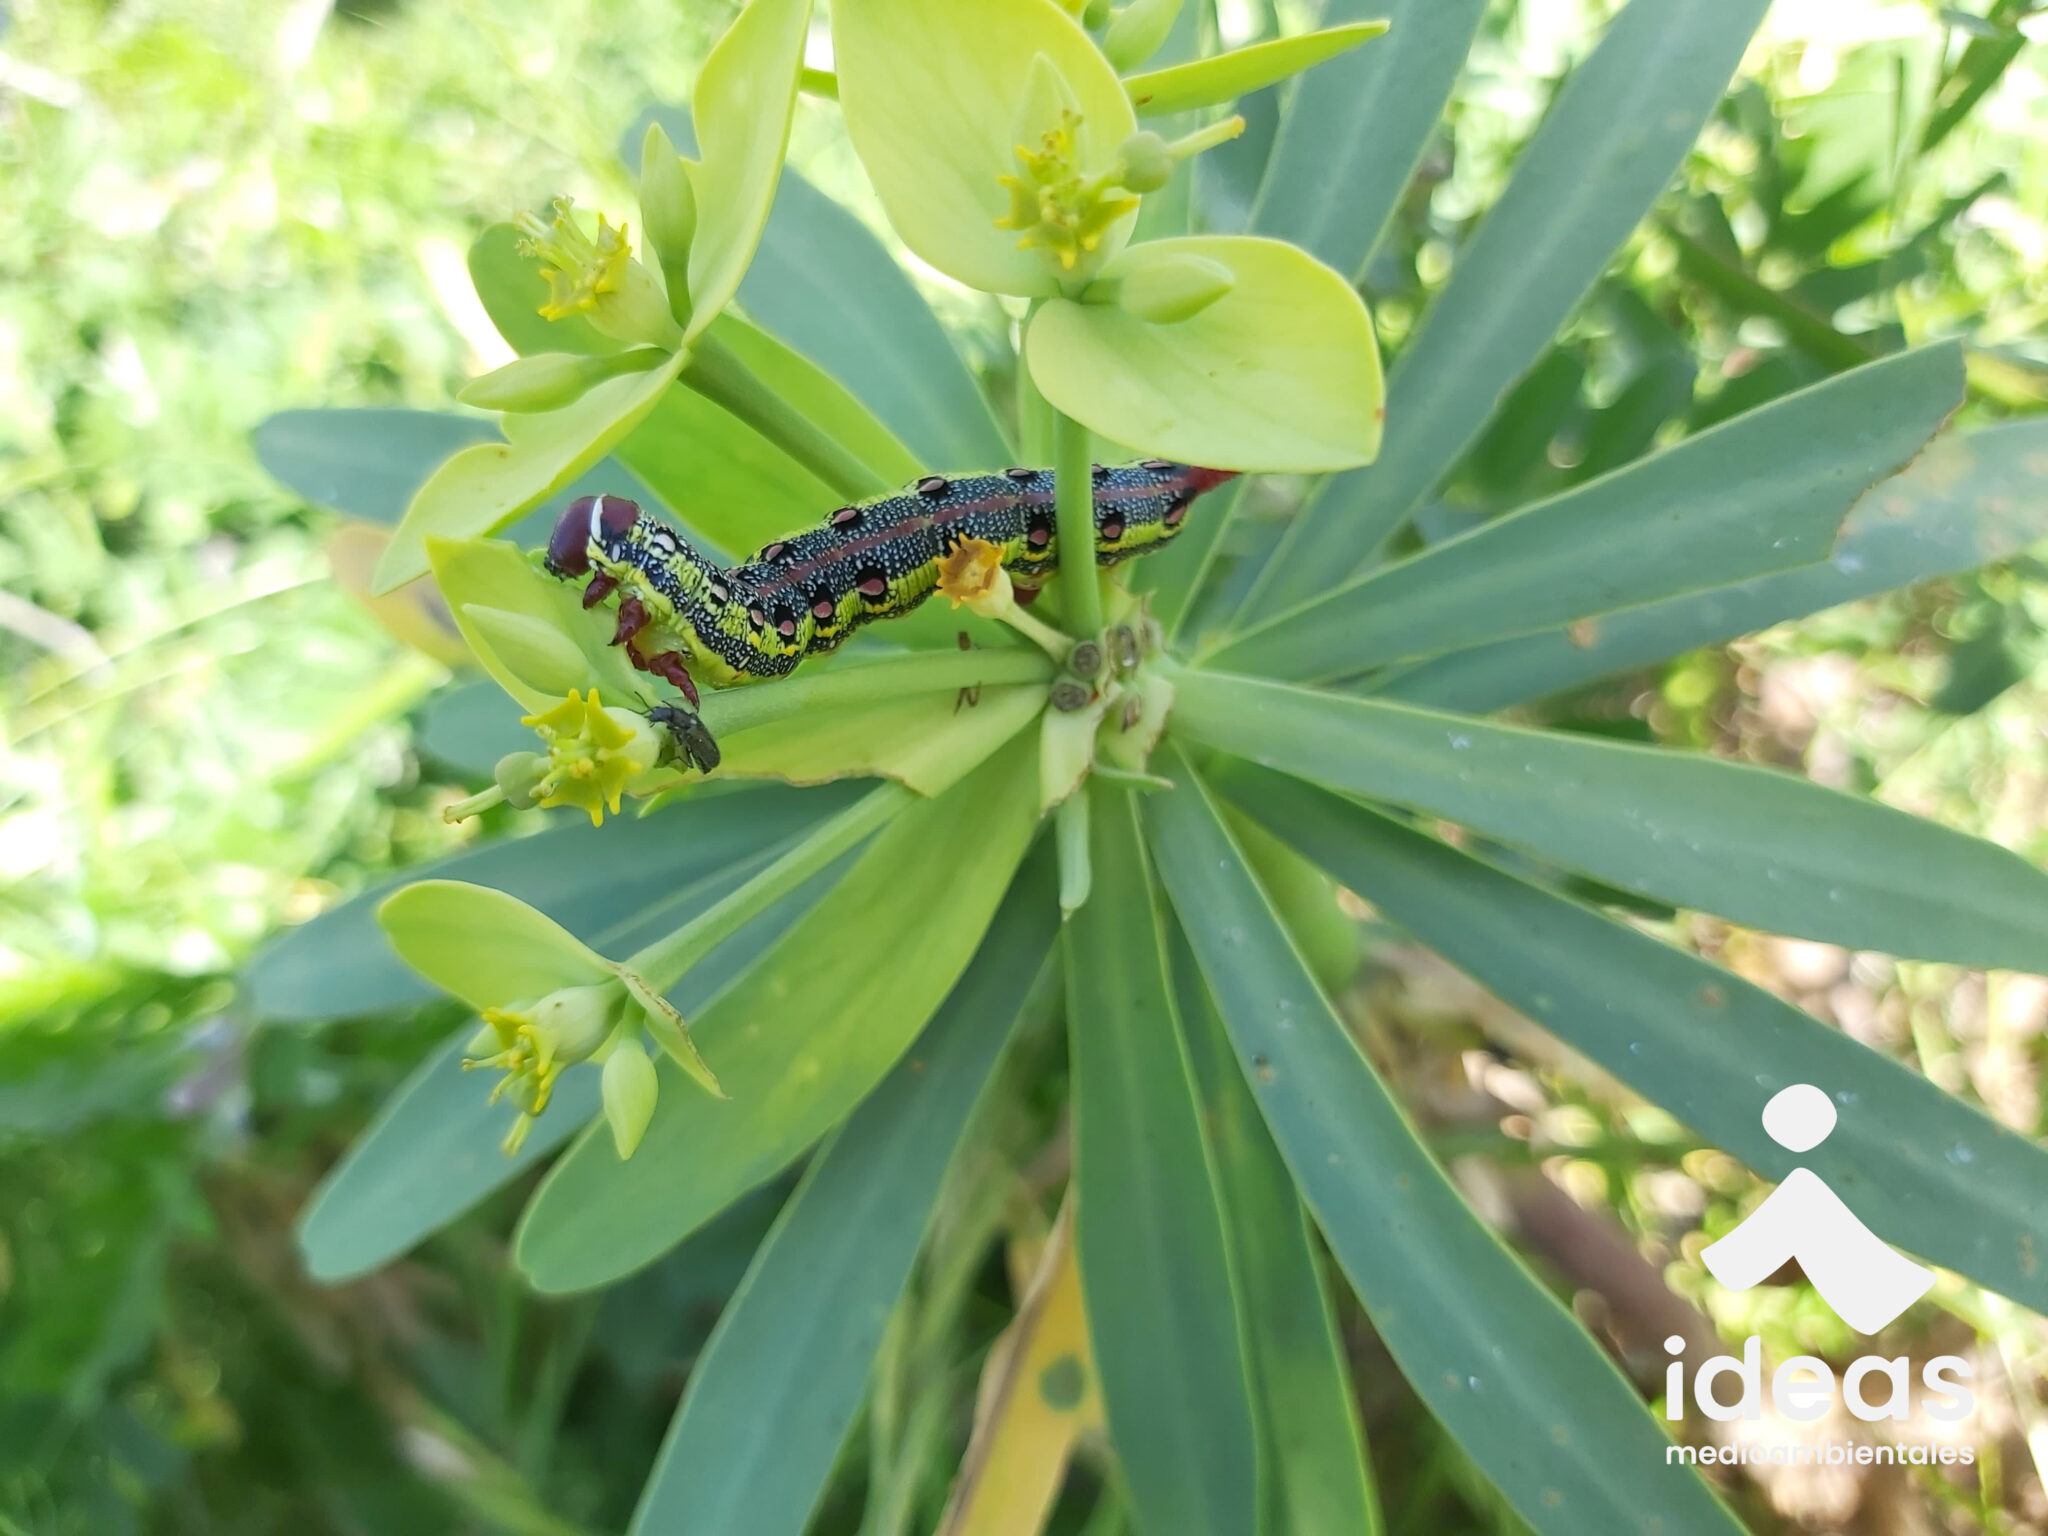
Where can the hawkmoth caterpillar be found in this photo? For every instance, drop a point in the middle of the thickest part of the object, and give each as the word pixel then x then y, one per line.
pixel 682 616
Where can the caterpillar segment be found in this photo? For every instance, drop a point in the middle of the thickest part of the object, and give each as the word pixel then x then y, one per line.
pixel 683 617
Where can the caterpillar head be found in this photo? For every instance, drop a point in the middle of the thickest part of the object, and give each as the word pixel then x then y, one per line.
pixel 585 521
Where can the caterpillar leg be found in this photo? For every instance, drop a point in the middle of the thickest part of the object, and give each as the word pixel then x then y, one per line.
pixel 601 587
pixel 669 665
pixel 685 727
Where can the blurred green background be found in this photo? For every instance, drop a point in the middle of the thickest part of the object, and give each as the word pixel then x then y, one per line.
pixel 211 210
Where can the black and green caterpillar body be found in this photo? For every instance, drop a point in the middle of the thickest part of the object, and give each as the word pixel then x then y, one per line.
pixel 680 613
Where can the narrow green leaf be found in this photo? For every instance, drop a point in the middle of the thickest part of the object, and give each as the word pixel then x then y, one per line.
pixel 799 1040
pixel 1578 189
pixel 366 463
pixel 1155 1268
pixel 1281 373
pixel 851 1233
pixel 823 284
pixel 1224 77
pixel 586 878
pixel 1966 500
pixel 1763 492
pixel 1315 1473
pixel 1353 132
pixel 433 1151
pixel 1755 845
pixel 1925 1170
pixel 745 98
pixel 1540 1409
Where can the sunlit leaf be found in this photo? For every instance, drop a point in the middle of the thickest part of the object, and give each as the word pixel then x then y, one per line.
pixel 851 1231
pixel 1282 373
pixel 1763 492
pixel 932 92
pixel 801 1039
pixel 483 946
pixel 1226 76
pixel 486 486
pixel 746 94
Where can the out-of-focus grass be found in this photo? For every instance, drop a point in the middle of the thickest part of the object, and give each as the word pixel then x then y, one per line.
pixel 209 211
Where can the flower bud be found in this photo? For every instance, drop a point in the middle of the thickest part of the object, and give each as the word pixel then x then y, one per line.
pixel 597 278
pixel 1147 161
pixel 1139 31
pixel 519 776
pixel 668 215
pixel 630 1089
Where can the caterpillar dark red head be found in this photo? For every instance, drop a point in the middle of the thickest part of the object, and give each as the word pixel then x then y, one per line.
pixel 585 519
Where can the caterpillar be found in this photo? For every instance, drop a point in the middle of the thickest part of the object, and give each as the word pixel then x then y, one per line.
pixel 682 616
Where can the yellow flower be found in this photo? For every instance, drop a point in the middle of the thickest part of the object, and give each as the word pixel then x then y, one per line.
pixel 593 753
pixel 1054 205
pixel 598 278
pixel 972 573
pixel 537 1042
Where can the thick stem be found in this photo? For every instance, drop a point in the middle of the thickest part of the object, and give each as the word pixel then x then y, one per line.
pixel 666 961
pixel 1074 485
pixel 738 709
pixel 717 373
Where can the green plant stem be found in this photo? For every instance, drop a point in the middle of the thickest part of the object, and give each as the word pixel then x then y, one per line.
pixel 666 961
pixel 718 374
pixel 739 709
pixel 1074 486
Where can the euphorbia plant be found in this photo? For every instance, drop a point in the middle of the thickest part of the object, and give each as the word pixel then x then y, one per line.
pixel 1132 805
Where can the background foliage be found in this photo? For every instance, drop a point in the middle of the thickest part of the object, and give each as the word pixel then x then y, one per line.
pixel 215 211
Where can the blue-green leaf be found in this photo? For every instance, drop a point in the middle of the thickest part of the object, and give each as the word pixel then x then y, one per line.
pixel 850 1232
pixel 1540 1409
pixel 1755 845
pixel 1619 128
pixel 1315 1475
pixel 1353 131
pixel 1155 1270
pixel 1763 492
pixel 366 463
pixel 1926 1171
pixel 1966 500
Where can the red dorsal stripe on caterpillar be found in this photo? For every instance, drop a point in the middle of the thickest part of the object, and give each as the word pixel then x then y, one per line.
pixel 799 596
